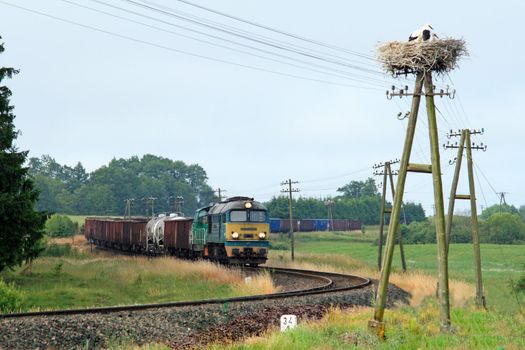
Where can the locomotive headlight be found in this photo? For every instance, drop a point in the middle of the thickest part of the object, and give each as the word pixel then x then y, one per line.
pixel 248 205
pixel 262 235
pixel 235 235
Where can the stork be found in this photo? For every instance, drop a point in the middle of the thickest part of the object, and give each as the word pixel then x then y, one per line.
pixel 424 33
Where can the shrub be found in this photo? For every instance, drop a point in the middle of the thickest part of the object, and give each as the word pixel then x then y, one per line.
pixel 505 228
pixel 419 232
pixel 57 250
pixel 11 299
pixel 60 226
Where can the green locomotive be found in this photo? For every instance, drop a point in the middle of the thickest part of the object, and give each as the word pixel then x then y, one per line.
pixel 234 231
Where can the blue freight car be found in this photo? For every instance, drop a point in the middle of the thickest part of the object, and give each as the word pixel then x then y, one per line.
pixel 275 225
pixel 321 224
pixel 308 225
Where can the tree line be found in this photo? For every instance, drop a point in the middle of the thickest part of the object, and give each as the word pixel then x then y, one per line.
pixel 359 200
pixel 500 224
pixel 152 182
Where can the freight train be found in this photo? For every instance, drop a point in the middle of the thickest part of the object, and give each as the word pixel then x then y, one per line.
pixel 310 225
pixel 233 231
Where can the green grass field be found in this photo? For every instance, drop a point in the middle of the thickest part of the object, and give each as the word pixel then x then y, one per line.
pixel 61 283
pixel 500 263
pixel 68 277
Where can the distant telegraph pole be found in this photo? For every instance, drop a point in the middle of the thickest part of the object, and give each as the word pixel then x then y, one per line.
pixel 501 196
pixel 330 204
pixel 219 192
pixel 465 142
pixel 127 210
pixel 388 177
pixel 177 204
pixel 150 202
pixel 290 190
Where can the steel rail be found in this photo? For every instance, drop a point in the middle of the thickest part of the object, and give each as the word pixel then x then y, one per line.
pixel 327 287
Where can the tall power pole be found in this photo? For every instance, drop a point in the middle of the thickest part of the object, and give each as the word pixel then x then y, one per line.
pixel 219 192
pixel 465 142
pixel 388 177
pixel 423 78
pixel 502 200
pixel 150 202
pixel 329 204
pixel 290 190
pixel 127 210
pixel 178 201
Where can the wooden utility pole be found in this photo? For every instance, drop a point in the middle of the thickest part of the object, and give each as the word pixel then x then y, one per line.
pixel 179 201
pixel 329 204
pixel 465 142
pixel 219 192
pixel 290 190
pixel 127 210
pixel 387 171
pixel 151 202
pixel 422 78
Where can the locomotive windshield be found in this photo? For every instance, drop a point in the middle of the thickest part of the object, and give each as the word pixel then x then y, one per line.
pixel 257 216
pixel 239 216
pixel 243 216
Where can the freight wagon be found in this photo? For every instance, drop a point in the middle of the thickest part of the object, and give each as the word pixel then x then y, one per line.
pixel 310 225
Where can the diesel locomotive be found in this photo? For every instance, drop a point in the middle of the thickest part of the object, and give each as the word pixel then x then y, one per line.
pixel 233 231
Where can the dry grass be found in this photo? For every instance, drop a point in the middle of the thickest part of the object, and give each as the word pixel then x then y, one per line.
pixel 129 270
pixel 440 55
pixel 419 284
pixel 75 241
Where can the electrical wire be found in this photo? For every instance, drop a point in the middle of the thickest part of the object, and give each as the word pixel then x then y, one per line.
pixel 265 27
pixel 333 47
pixel 187 53
pixel 219 45
pixel 251 38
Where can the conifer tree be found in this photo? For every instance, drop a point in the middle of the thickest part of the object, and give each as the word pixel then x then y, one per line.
pixel 21 227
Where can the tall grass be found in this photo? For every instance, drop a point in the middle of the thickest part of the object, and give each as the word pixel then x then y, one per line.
pixel 70 282
pixel 407 328
pixel 419 284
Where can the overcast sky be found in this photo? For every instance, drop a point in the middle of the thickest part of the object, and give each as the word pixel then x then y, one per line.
pixel 85 95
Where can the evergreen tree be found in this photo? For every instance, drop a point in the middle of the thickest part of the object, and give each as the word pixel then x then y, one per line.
pixel 21 227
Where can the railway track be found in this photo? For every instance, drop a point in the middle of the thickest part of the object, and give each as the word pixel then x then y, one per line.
pixel 326 282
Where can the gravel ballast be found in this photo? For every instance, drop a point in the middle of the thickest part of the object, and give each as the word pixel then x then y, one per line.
pixel 177 327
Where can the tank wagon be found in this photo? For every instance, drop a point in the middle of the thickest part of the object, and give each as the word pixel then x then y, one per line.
pixel 234 231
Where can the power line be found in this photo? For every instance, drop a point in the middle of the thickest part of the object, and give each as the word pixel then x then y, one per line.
pixel 239 30
pixel 148 43
pixel 330 46
pixel 486 179
pixel 173 13
pixel 342 74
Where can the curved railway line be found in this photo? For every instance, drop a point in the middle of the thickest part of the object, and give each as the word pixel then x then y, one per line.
pixel 326 282
pixel 191 324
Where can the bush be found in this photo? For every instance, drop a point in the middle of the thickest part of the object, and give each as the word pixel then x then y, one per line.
pixel 505 228
pixel 419 232
pixel 60 226
pixel 11 299
pixel 57 250
pixel 461 231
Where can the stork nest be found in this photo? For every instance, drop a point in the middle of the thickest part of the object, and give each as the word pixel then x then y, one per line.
pixel 439 55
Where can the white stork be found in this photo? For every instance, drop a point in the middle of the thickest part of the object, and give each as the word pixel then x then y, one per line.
pixel 424 33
